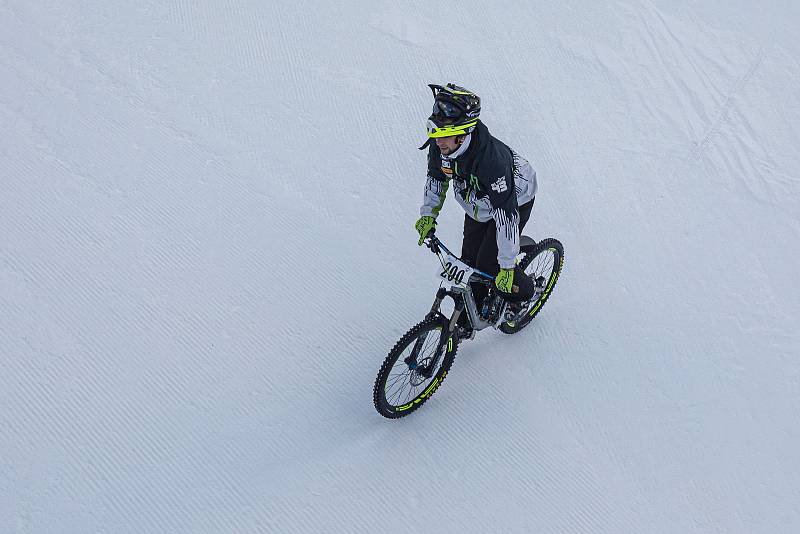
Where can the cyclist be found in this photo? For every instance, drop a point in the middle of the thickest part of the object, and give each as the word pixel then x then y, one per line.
pixel 495 186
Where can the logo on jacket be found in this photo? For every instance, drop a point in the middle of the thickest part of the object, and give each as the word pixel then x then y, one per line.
pixel 446 167
pixel 500 185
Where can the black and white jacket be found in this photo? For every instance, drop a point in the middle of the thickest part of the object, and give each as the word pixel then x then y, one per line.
pixel 490 181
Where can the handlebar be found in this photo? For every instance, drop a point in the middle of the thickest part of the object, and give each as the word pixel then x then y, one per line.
pixel 432 242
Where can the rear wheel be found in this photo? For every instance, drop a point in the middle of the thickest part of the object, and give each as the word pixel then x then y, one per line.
pixel 412 372
pixel 542 263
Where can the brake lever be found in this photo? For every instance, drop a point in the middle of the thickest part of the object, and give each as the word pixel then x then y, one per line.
pixel 434 245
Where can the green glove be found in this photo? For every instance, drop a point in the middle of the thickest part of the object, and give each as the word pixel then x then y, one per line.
pixel 424 226
pixel 505 280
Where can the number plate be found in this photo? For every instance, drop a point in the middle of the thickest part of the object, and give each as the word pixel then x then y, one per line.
pixel 454 272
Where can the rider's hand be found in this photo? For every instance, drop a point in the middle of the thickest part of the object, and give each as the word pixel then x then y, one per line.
pixel 424 225
pixel 505 280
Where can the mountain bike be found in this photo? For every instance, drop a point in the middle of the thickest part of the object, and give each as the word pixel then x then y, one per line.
pixel 421 359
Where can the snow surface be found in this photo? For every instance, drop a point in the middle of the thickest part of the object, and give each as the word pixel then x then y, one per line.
pixel 207 249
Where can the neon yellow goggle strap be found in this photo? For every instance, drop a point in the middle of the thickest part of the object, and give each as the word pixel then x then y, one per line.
pixel 450 129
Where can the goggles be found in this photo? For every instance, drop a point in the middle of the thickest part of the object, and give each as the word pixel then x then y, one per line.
pixel 447 110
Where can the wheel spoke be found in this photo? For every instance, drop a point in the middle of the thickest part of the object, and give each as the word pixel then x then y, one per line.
pixel 397 386
pixel 544 262
pixel 396 378
pixel 399 392
pixel 544 259
pixel 541 265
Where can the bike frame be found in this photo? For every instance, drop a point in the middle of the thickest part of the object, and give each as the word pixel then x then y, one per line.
pixel 463 299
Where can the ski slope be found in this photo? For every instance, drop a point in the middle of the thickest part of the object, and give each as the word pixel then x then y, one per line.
pixel 207 249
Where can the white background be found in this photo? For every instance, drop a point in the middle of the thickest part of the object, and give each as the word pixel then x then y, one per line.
pixel 207 249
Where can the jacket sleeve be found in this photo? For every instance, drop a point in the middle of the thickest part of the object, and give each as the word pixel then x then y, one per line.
pixel 435 187
pixel 505 212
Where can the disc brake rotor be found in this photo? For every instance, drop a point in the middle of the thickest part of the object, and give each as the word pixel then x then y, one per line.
pixel 417 376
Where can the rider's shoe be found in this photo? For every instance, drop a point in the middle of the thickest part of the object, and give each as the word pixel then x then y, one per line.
pixel 516 310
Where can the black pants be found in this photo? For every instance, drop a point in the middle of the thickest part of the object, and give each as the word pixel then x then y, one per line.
pixel 479 250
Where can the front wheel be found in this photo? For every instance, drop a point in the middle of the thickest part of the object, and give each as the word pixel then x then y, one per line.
pixel 543 264
pixel 413 370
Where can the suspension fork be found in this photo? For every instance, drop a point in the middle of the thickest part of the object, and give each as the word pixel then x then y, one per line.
pixel 411 359
pixel 440 295
pixel 448 327
pixel 444 340
pixel 458 309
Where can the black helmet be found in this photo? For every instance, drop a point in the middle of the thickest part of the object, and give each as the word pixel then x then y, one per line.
pixel 455 111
